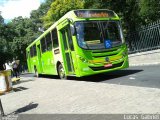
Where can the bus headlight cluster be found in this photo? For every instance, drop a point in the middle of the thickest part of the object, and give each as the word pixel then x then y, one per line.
pixel 83 59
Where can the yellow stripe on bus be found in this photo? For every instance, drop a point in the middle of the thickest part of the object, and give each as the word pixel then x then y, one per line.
pixel 103 60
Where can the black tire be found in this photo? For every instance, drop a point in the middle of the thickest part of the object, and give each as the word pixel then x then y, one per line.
pixel 61 72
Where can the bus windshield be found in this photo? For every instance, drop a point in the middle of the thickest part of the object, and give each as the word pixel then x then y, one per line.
pixel 98 34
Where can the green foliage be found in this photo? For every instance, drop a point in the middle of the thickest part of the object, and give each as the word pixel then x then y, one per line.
pixel 36 15
pixel 3 42
pixel 149 10
pixel 59 8
pixel 20 32
pixel 96 4
pixel 24 34
pixel 3 57
pixel 1 20
pixel 4 52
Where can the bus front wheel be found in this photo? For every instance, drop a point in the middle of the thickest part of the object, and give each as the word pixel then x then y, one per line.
pixel 61 72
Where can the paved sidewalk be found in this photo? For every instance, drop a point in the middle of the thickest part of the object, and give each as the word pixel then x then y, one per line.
pixel 145 58
pixel 49 96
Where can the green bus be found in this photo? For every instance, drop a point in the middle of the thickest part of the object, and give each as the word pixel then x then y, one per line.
pixel 81 43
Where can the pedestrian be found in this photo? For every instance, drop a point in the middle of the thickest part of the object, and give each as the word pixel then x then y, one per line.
pixel 8 66
pixel 15 68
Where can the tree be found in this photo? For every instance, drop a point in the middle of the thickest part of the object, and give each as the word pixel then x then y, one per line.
pixel 4 53
pixel 90 4
pixel 149 10
pixel 24 34
pixel 59 8
pixel 36 15
pixel 127 10
pixel 3 43
pixel 1 19
pixel 20 32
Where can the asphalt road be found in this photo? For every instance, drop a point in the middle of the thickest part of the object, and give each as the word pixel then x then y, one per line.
pixel 142 76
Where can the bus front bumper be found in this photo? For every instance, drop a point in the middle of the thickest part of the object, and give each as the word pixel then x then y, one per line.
pixel 86 70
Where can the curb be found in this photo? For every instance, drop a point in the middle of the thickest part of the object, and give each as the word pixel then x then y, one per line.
pixel 145 64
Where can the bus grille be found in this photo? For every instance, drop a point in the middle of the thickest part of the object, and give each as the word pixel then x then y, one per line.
pixel 111 54
pixel 104 68
pixel 105 53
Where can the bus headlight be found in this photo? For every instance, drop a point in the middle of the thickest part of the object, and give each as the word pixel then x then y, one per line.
pixel 83 59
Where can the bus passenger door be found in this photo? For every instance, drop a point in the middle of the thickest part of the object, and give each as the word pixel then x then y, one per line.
pixel 68 47
pixel 40 69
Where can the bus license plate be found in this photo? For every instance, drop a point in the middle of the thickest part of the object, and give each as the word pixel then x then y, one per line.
pixel 108 65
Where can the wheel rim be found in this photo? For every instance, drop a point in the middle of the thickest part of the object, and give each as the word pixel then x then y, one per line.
pixel 61 72
pixel 36 72
pixel 37 75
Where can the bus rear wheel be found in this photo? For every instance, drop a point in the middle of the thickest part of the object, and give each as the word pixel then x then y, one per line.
pixel 36 74
pixel 61 72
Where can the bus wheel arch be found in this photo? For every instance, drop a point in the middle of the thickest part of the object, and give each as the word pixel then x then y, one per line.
pixel 61 71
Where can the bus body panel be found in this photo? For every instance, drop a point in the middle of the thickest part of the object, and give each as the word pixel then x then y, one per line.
pixel 33 62
pixel 48 63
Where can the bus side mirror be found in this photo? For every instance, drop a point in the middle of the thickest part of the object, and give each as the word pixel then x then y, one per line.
pixel 73 31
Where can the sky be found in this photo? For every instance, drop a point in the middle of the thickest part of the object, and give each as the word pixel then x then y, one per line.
pixel 14 8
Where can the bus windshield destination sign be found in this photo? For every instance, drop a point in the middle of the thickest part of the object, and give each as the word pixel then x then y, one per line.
pixel 94 13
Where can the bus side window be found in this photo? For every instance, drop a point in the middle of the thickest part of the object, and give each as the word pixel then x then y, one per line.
pixel 49 41
pixel 33 51
pixel 70 39
pixel 43 45
pixel 55 38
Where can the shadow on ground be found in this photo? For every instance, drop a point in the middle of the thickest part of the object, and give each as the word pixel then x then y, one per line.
pixel 17 89
pixel 22 81
pixel 108 76
pixel 98 77
pixel 26 108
